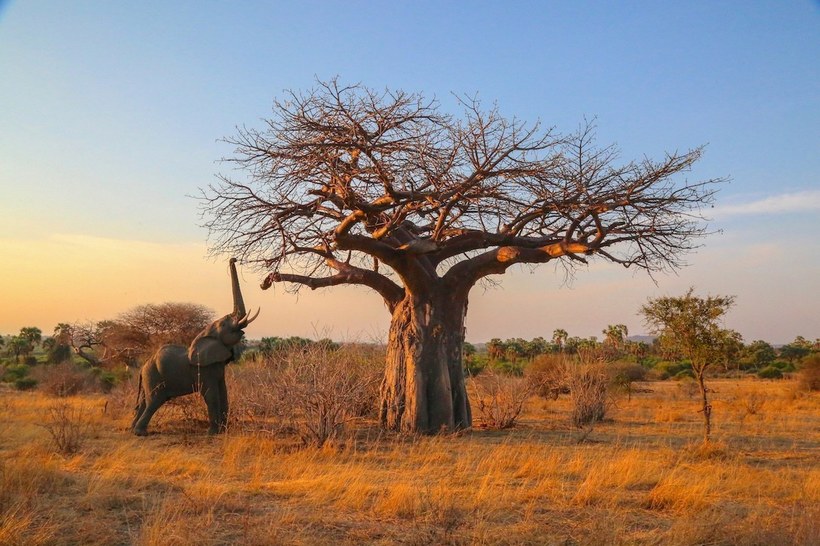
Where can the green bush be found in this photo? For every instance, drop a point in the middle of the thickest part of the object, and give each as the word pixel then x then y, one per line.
pixel 649 362
pixel 770 372
pixel 474 364
pixel 626 371
pixel 683 374
pixel 25 383
pixel 668 368
pixel 515 369
pixel 15 372
pixel 107 380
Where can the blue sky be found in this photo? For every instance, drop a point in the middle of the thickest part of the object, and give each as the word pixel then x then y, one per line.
pixel 112 113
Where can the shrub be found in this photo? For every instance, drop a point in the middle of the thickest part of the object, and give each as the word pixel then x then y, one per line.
pixel 809 373
pixel 688 386
pixel 547 375
pixel 105 379
pixel 25 383
pixel 684 374
pixel 506 367
pixel 64 379
pixel 320 389
pixel 68 427
pixel 474 364
pixel 499 398
pixel 626 370
pixel 15 372
pixel 770 372
pixel 668 369
pixel 588 390
pixel 623 374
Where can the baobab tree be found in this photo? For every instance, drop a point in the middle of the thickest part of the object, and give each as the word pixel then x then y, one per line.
pixel 348 185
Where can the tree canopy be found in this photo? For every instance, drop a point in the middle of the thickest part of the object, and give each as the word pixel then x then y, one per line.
pixel 344 174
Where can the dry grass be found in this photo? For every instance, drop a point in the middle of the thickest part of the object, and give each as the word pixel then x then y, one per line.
pixel 641 478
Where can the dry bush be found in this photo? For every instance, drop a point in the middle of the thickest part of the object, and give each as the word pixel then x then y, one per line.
pixel 68 426
pixel 64 379
pixel 623 374
pixel 547 375
pixel 307 383
pixel 500 398
pixel 588 391
pixel 809 376
pixel 121 399
pixel 254 399
pixel 688 387
pixel 320 389
pixel 753 402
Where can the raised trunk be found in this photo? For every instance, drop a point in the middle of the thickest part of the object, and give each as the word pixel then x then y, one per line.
pixel 238 302
pixel 423 388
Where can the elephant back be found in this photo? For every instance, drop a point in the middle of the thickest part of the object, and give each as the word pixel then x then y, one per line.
pixel 207 351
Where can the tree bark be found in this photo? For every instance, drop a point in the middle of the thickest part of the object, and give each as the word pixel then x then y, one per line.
pixel 423 389
pixel 706 408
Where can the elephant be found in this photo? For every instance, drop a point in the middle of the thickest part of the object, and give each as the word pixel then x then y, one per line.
pixel 176 370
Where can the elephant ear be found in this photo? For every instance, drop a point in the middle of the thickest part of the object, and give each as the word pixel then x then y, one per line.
pixel 207 350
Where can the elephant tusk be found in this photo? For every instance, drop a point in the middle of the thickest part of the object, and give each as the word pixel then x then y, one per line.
pixel 248 319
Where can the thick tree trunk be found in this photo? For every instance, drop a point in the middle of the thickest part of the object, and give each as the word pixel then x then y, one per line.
pixel 423 388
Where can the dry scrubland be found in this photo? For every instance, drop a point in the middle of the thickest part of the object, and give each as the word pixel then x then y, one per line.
pixel 640 477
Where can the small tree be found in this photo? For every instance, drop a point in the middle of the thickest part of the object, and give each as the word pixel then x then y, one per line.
pixel 135 334
pixel 32 334
pixel 690 325
pixel 615 335
pixel 758 354
pixel 795 350
pixel 559 337
pixel 18 346
pixel 56 350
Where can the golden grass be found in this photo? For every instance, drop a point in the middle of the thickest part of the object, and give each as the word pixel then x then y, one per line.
pixel 642 477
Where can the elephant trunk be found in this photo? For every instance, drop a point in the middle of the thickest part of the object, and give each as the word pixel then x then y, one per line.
pixel 238 303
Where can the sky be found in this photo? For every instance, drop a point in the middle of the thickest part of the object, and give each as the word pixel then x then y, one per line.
pixel 112 115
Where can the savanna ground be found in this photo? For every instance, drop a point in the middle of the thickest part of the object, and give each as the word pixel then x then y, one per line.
pixel 642 476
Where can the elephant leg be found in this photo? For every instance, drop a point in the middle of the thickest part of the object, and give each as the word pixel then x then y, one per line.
pixel 139 411
pixel 156 401
pixel 211 396
pixel 223 405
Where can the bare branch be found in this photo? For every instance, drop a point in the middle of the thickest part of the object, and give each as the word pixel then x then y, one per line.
pixel 386 176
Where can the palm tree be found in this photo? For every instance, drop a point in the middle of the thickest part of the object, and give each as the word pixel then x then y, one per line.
pixel 559 337
pixel 615 334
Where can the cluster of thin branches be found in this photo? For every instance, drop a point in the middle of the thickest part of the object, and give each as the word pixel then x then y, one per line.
pixel 315 391
pixel 500 398
pixel 343 178
pixel 68 427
